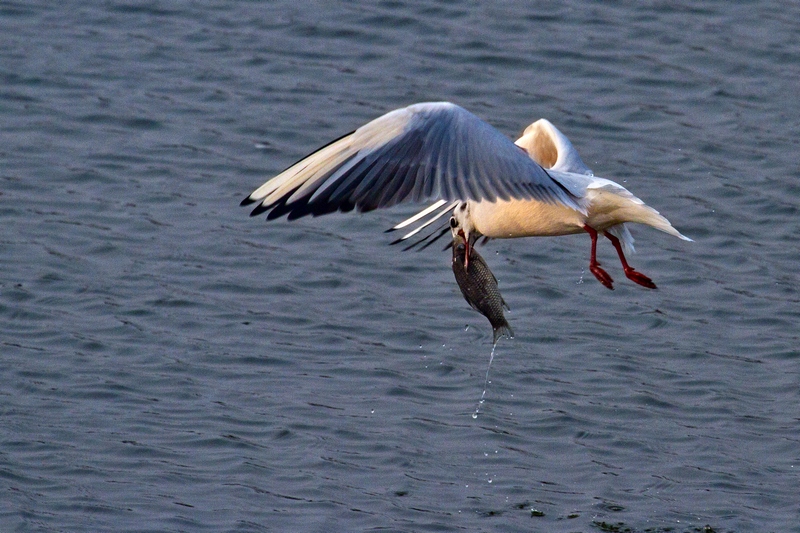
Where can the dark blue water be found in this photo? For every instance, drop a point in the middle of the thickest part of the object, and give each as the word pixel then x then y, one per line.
pixel 169 364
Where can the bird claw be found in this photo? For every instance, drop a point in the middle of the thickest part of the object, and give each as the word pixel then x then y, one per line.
pixel 638 277
pixel 602 276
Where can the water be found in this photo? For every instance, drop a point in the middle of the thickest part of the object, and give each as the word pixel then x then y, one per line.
pixel 169 364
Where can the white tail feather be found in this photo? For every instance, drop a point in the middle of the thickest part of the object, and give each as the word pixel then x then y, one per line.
pixel 649 216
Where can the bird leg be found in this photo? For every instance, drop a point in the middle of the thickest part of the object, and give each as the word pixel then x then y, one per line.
pixel 601 275
pixel 630 272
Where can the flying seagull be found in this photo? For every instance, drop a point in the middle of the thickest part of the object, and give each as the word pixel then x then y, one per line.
pixel 439 152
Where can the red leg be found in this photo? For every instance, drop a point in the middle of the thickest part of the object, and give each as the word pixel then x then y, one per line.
pixel 630 272
pixel 601 275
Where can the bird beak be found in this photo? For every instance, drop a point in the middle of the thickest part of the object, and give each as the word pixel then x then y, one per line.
pixel 466 248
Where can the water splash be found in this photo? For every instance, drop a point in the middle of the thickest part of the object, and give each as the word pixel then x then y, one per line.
pixel 485 383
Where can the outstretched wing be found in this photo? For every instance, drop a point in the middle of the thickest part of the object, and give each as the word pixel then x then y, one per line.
pixel 424 152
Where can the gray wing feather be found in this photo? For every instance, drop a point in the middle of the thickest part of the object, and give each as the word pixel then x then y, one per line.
pixel 420 153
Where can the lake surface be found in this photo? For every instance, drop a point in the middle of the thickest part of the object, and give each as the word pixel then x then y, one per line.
pixel 169 364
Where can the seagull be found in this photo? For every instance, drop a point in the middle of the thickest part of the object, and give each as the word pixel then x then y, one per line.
pixel 492 187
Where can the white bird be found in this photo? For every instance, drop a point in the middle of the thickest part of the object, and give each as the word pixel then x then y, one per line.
pixel 494 188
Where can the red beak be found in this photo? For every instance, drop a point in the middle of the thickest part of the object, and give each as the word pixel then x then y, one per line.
pixel 466 248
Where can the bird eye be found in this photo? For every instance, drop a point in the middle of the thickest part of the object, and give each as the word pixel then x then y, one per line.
pixel 453 223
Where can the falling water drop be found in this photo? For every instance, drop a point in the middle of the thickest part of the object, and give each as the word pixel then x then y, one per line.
pixel 485 383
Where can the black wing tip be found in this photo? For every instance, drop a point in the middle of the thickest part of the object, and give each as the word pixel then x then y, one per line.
pixel 435 237
pixel 300 209
pixel 247 201
pixel 259 209
pixel 423 242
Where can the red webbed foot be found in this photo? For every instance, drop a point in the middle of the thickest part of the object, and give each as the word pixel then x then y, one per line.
pixel 602 276
pixel 638 277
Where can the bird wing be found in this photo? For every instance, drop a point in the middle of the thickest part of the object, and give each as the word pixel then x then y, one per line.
pixel 424 152
pixel 546 145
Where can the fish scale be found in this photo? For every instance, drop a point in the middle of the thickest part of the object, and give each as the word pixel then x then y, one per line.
pixel 479 287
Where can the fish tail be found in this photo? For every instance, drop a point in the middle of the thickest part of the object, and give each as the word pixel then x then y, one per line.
pixel 500 330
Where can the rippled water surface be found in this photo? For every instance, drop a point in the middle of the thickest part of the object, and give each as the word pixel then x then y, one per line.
pixel 169 364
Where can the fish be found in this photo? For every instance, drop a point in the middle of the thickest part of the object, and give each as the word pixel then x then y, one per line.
pixel 479 286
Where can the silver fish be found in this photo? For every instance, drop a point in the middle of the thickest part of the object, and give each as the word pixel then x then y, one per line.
pixel 479 286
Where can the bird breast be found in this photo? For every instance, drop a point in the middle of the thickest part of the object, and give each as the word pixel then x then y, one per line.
pixel 524 218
